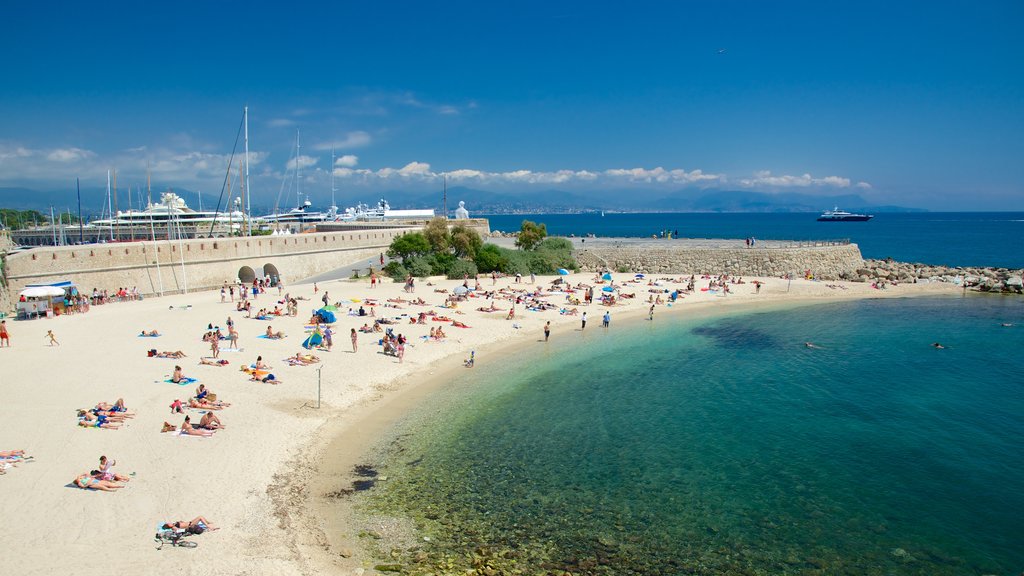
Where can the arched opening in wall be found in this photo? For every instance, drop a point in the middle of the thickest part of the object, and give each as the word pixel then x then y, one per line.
pixel 246 275
pixel 270 271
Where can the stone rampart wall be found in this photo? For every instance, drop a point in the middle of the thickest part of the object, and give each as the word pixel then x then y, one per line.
pixel 826 262
pixel 194 264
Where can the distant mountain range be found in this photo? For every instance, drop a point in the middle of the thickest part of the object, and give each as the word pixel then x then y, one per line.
pixel 489 202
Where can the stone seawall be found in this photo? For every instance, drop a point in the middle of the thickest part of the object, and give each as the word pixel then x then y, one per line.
pixel 826 261
pixel 167 266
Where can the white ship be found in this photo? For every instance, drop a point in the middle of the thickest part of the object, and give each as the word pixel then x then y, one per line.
pixel 173 218
pixel 382 211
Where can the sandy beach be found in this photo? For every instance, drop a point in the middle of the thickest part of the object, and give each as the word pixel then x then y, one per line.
pixel 261 480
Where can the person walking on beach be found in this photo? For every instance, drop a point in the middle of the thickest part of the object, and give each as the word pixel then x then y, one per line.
pixel 328 333
pixel 4 336
pixel 53 339
pixel 607 320
pixel 215 346
pixel 583 322
pixel 547 331
pixel 650 313
pixel 355 341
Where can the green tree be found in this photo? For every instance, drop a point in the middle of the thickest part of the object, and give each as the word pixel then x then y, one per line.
pixel 465 241
pixel 489 258
pixel 408 245
pixel 531 234
pixel 436 232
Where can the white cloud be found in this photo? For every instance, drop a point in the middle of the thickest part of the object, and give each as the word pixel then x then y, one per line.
pixel 354 139
pixel 302 161
pixel 280 123
pixel 765 178
pixel 348 161
pixel 416 169
pixel 69 154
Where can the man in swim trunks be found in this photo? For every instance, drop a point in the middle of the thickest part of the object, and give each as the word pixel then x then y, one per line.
pixel 4 336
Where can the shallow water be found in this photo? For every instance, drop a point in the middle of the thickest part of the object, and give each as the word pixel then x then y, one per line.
pixel 727 446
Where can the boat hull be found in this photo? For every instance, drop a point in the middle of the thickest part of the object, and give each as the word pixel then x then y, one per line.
pixel 850 218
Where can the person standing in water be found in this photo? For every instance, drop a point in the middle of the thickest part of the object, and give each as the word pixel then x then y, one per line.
pixel 547 331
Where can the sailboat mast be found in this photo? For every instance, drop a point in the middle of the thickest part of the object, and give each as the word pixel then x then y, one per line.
pixel 53 227
pixel 298 169
pixel 109 210
pixel 332 177
pixel 118 235
pixel 245 188
pixel 81 230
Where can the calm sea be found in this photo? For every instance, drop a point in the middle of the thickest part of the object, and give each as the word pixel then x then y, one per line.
pixel 726 446
pixel 949 239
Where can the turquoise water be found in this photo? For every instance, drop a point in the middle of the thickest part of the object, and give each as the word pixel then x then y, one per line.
pixel 727 446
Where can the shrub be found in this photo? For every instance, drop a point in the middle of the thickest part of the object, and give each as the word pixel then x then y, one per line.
pixel 490 258
pixel 440 263
pixel 462 268
pixel 396 271
pixel 420 266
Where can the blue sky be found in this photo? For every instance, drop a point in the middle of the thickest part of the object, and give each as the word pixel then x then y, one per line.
pixel 910 103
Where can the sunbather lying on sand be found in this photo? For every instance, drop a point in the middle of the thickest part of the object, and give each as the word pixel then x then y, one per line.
pixel 150 334
pixel 273 335
pixel 89 420
pixel 258 376
pixel 89 482
pixel 197 525
pixel 206 404
pixel 213 362
pixel 301 359
pixel 117 408
pixel 458 324
pixel 168 354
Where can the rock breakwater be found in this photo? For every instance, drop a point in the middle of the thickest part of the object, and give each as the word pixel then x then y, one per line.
pixel 982 279
pixel 825 261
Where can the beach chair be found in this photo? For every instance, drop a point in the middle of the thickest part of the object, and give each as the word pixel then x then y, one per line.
pixel 173 537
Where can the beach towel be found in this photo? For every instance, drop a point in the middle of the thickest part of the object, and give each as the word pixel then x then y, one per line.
pixel 149 336
pixel 232 349
pixel 184 381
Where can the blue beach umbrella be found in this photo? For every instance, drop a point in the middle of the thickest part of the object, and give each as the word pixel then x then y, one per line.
pixel 563 272
pixel 639 276
pixel 608 289
pixel 606 276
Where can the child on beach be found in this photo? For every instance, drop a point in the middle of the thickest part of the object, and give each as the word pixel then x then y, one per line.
pixel 53 339
pixel 4 336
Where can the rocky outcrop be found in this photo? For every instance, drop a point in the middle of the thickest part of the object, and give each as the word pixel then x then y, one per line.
pixel 978 278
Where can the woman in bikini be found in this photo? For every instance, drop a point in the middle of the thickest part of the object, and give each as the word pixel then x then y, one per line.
pixel 177 376
pixel 89 482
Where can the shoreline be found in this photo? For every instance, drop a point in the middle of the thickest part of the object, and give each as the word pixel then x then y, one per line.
pixel 263 478
pixel 343 446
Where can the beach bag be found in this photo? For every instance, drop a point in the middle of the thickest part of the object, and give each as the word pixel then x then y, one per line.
pixel 151 353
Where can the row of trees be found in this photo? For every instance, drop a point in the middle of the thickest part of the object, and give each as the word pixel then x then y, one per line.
pixel 18 219
pixel 460 251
